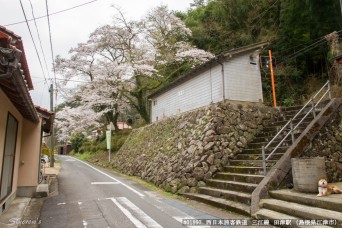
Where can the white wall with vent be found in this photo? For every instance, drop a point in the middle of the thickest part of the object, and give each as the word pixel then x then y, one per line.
pixel 241 79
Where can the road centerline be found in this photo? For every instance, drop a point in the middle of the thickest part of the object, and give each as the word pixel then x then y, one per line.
pixel 107 175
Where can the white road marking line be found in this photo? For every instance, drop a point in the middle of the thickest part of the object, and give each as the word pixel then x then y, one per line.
pixel 135 221
pixel 180 219
pixel 142 216
pixel 85 223
pixel 105 183
pixel 60 204
pixel 130 188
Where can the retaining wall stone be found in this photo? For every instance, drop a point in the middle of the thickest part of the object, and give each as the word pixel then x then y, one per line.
pixel 328 144
pixel 179 153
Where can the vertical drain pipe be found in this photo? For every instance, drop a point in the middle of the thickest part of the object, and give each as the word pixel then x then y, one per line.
pixel 222 75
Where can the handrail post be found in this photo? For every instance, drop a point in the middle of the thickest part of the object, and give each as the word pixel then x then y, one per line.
pixel 292 134
pixel 313 108
pixel 263 160
pixel 329 89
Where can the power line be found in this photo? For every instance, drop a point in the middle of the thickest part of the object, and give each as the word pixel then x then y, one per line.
pixel 40 41
pixel 316 42
pixel 322 40
pixel 69 80
pixel 63 79
pixel 61 11
pixel 35 47
pixel 284 50
pixel 262 14
pixel 302 51
pixel 37 82
pixel 52 55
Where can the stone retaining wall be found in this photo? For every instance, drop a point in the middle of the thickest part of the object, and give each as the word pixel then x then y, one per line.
pixel 178 154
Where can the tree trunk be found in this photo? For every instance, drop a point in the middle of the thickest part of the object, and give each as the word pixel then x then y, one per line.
pixel 141 104
pixel 113 118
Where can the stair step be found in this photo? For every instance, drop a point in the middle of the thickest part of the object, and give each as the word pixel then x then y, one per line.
pixel 286 143
pixel 331 202
pixel 286 117
pixel 255 179
pixel 269 214
pixel 307 120
pixel 227 194
pixel 272 128
pixel 281 149
pixel 274 215
pixel 292 112
pixel 271 133
pixel 292 108
pixel 243 169
pixel 301 211
pixel 275 156
pixel 221 203
pixel 231 185
pixel 257 163
pixel 269 138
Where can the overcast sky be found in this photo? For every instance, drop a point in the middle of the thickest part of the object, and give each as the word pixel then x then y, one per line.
pixel 68 29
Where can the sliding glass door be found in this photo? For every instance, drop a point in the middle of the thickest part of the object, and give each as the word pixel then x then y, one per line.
pixel 8 157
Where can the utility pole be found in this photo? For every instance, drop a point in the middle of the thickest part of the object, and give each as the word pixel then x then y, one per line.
pixel 272 79
pixel 52 159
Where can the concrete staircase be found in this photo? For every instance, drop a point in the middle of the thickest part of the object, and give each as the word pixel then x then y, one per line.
pixel 232 188
pixel 287 204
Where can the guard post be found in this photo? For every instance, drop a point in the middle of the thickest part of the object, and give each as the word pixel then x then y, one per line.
pixel 109 140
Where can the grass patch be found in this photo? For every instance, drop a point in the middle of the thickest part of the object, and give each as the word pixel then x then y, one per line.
pixel 84 156
pixel 100 145
pixel 152 187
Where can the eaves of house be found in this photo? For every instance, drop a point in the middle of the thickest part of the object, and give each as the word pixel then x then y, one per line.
pixel 47 117
pixel 15 79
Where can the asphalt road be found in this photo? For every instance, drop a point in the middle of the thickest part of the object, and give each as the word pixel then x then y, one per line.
pixel 93 197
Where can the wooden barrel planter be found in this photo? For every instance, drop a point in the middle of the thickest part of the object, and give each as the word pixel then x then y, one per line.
pixel 306 173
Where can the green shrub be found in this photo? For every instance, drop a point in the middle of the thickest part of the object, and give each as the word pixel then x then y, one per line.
pixel 77 140
pixel 45 150
pixel 118 139
pixel 83 156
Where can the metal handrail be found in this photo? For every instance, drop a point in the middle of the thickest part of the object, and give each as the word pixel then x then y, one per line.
pixel 293 128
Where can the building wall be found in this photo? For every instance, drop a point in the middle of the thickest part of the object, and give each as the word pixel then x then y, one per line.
pixel 5 107
pixel 242 83
pixel 242 79
pixel 29 156
pixel 194 93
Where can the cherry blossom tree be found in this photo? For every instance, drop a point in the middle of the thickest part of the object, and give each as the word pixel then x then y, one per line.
pixel 123 62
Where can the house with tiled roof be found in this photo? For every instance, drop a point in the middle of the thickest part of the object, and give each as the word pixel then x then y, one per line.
pixel 21 123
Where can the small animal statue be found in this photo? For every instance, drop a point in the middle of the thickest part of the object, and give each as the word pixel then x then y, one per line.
pixel 325 189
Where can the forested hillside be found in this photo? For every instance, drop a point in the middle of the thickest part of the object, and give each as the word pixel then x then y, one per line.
pixel 295 28
pixel 123 62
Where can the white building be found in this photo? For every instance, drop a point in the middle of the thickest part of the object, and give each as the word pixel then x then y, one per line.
pixel 232 75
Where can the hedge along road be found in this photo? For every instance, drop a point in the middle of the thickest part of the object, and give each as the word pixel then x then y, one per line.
pixel 91 197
